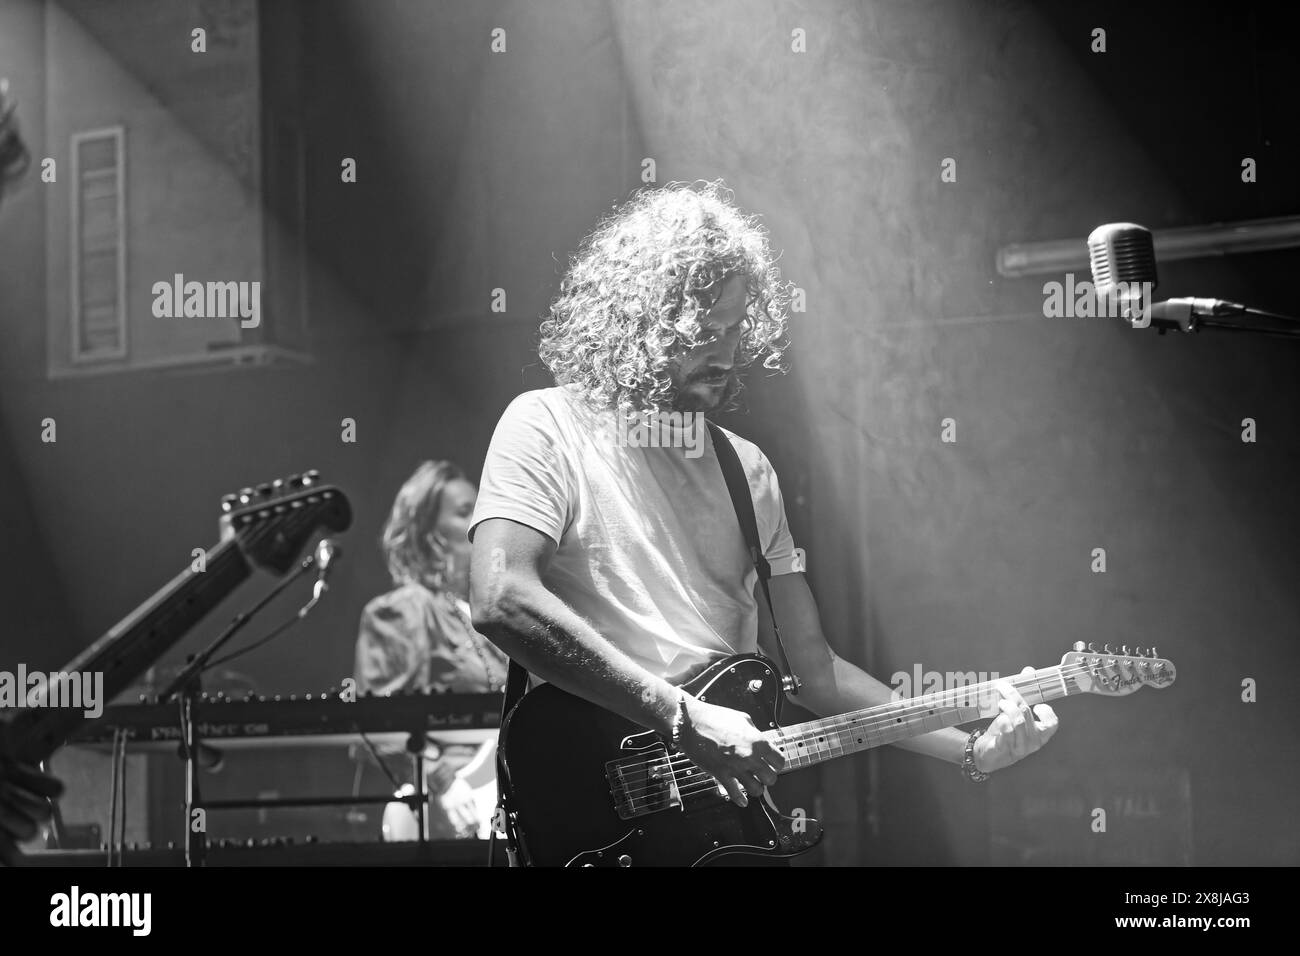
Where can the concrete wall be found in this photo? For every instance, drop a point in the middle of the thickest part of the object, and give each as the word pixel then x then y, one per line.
pixel 1071 434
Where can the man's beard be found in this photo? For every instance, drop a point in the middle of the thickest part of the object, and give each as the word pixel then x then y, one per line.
pixel 685 400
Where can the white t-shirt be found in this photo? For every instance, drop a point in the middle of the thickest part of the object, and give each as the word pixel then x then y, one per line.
pixel 649 550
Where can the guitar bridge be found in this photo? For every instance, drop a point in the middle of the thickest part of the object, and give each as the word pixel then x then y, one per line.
pixel 645 783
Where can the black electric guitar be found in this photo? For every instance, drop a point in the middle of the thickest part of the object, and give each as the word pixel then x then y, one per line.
pixel 586 787
pixel 262 527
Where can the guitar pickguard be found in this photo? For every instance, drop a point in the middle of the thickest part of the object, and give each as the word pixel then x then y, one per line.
pixel 592 789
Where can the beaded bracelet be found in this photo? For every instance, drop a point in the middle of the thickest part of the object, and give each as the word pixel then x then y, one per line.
pixel 968 759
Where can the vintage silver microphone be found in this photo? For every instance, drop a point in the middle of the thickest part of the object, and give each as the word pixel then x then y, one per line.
pixel 1122 258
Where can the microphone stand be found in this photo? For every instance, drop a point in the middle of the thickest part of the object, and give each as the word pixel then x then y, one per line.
pixel 1123 260
pixel 1182 315
pixel 188 685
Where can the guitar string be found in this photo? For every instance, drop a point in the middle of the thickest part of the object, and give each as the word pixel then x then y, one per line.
pixel 708 782
pixel 834 725
pixel 678 762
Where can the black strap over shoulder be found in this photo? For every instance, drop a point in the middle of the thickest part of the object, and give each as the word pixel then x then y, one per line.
pixel 742 500
pixel 516 685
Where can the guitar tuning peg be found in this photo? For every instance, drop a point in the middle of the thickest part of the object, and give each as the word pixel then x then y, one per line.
pixel 1123 649
pixel 1153 652
pixel 293 481
pixel 1091 649
pixel 277 487
pixel 264 489
pixel 245 495
pixel 311 477
pixel 228 503
pixel 1078 646
pixel 1106 648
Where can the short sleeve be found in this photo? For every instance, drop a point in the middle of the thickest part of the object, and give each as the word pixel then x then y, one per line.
pixel 526 477
pixel 779 548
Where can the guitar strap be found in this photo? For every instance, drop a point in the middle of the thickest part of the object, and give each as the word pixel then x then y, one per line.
pixel 516 684
pixel 516 687
pixel 743 502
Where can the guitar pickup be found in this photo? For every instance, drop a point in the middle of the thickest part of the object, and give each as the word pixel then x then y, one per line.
pixel 643 784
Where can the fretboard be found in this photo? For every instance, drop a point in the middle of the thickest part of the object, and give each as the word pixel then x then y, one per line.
pixel 827 738
pixel 131 646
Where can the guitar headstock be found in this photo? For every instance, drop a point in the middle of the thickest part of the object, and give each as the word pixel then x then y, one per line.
pixel 1116 673
pixel 272 522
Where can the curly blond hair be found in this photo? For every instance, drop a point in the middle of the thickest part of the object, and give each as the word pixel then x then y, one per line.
pixel 636 291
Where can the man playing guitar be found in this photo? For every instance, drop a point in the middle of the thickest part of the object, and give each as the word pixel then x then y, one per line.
pixel 607 556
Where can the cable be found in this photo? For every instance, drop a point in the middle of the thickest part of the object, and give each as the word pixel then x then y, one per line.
pixel 1265 314
pixel 276 631
pixel 121 787
pixel 119 738
pixel 374 752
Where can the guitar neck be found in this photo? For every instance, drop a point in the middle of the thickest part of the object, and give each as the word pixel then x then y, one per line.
pixel 816 741
pixel 131 647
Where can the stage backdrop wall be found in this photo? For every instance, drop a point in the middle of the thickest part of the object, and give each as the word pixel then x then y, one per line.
pixel 477 173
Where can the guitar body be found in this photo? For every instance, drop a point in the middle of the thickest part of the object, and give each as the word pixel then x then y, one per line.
pixel 584 787
pixel 589 788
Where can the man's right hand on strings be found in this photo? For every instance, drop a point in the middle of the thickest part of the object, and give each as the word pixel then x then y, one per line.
pixel 725 743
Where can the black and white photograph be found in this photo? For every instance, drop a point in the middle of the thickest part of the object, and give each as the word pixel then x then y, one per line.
pixel 804 435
